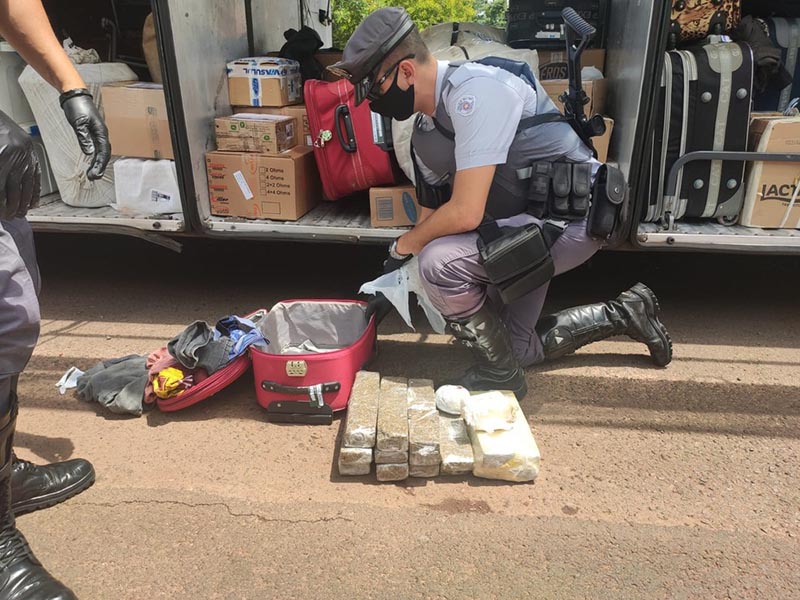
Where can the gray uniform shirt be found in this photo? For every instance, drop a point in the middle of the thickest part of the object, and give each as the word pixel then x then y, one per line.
pixel 486 105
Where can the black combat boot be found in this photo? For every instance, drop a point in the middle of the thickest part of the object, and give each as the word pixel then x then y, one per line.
pixel 634 313
pixel 22 576
pixel 488 339
pixel 39 486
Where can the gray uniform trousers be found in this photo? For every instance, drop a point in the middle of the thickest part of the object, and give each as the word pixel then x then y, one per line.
pixel 19 304
pixel 456 283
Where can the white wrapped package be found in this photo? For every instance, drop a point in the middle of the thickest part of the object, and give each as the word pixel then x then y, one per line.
pixel 510 455
pixel 145 188
pixel 450 399
pixel 69 163
pixel 490 411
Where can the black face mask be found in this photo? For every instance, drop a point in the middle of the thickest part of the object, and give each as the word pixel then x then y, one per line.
pixel 395 103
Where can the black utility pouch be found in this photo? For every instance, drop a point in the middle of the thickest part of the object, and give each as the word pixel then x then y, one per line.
pixel 581 190
pixel 606 215
pixel 562 186
pixel 517 259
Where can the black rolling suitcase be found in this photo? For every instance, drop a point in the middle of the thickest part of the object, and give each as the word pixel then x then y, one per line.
pixel 538 23
pixel 704 104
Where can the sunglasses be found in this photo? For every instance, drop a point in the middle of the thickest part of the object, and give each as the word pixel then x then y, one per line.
pixel 369 88
pixel 374 92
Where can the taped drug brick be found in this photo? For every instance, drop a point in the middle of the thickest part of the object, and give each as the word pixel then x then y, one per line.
pixel 355 461
pixel 392 472
pixel 391 457
pixel 423 423
pixel 393 415
pixel 455 446
pixel 423 470
pixel 362 411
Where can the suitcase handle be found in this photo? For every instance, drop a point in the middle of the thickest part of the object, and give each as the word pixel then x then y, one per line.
pixel 342 115
pixel 314 392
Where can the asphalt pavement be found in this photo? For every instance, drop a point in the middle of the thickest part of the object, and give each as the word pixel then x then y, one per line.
pixel 656 483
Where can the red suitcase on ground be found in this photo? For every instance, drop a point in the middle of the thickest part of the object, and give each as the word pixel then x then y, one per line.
pixel 316 347
pixel 351 143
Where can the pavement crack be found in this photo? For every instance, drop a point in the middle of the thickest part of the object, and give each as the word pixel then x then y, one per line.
pixel 259 517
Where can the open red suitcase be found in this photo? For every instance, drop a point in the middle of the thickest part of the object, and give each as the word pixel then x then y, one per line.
pixel 351 143
pixel 316 348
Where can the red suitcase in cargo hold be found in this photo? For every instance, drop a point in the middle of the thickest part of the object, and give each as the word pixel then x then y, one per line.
pixel 351 143
pixel 316 348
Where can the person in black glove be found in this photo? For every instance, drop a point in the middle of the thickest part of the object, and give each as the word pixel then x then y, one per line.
pixel 24 486
pixel 378 304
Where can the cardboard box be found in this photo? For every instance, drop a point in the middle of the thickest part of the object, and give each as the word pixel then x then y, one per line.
pixel 595 89
pixel 393 206
pixel 602 142
pixel 136 117
pixel 259 186
pixel 553 63
pixel 264 81
pixel 298 111
pixel 249 132
pixel 772 185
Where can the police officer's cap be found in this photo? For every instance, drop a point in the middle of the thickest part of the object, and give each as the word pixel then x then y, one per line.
pixel 371 42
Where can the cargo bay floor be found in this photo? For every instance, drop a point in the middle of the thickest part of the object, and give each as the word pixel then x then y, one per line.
pixel 680 482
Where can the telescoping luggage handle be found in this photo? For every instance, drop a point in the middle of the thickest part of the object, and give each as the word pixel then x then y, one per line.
pixel 314 392
pixel 347 138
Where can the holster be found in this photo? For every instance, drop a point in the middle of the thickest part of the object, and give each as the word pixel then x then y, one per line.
pixel 517 259
pixel 606 215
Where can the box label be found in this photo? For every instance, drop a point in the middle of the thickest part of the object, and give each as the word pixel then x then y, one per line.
pixel 384 208
pixel 246 192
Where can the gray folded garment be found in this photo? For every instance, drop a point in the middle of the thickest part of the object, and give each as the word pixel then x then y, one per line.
pixel 118 384
pixel 195 347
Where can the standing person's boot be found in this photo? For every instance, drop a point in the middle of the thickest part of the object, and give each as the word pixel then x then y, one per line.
pixel 39 486
pixel 22 576
pixel 633 313
pixel 488 339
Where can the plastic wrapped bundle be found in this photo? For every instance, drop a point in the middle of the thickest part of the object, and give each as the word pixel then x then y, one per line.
pixel 362 411
pixel 510 455
pixel 423 424
pixel 69 163
pixel 455 446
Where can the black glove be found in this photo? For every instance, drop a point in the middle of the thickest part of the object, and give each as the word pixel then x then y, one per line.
pixel 395 260
pixel 379 306
pixel 20 174
pixel 92 133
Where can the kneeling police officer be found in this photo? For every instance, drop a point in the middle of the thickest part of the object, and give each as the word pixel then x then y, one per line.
pixel 505 186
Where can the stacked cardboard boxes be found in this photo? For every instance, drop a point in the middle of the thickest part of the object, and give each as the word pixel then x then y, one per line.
pixel 262 168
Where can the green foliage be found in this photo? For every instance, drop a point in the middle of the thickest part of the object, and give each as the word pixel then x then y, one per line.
pixel 347 14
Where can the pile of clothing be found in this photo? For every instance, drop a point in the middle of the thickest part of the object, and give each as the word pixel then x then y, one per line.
pixel 130 384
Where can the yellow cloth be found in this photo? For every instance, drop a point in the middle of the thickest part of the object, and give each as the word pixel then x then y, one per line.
pixel 169 383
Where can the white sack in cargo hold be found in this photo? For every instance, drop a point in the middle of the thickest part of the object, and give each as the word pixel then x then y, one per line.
pixel 68 162
pixel 145 188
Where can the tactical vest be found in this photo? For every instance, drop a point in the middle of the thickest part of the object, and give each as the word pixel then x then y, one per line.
pixel 508 195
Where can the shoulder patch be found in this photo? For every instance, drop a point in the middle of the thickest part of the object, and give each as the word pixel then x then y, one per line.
pixel 465 105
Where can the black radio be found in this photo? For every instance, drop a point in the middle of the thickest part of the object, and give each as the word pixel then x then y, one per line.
pixel 538 23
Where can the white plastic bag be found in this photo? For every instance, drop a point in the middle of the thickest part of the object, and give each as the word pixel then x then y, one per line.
pixel 69 163
pixel 146 187
pixel 396 287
